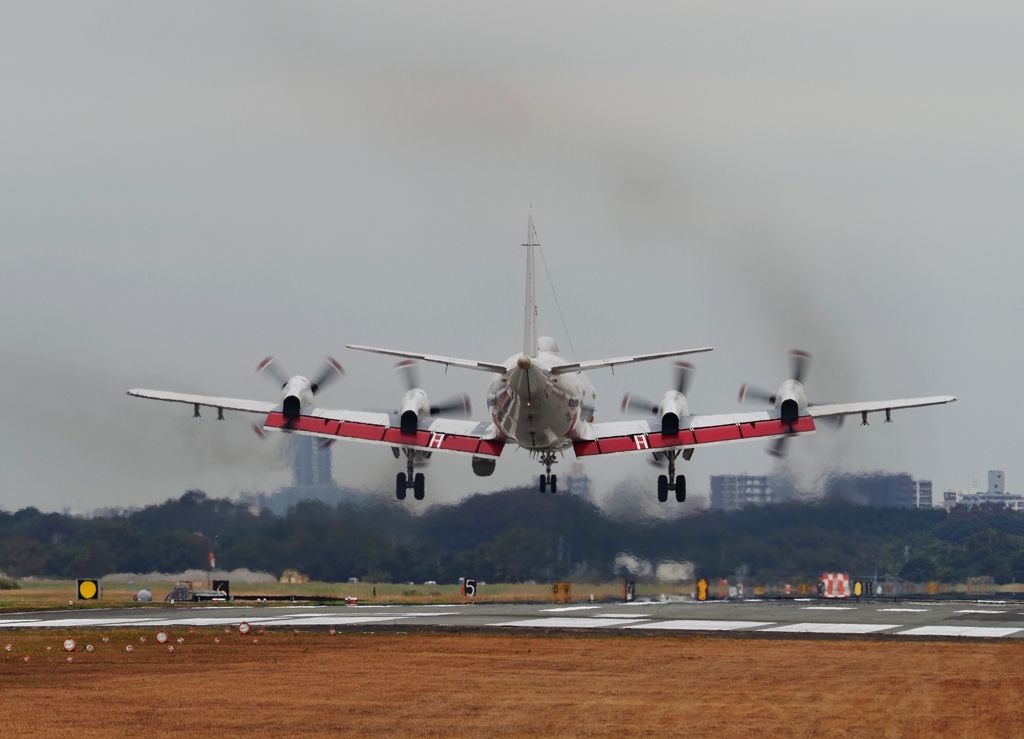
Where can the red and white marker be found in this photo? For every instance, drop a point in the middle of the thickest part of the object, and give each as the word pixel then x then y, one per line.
pixel 243 628
pixel 69 645
pixel 161 637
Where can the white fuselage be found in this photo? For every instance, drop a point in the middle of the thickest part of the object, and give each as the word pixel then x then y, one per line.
pixel 539 410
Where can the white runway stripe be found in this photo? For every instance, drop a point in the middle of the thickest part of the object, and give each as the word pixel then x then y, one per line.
pixel 698 625
pixel 970 611
pixel 987 631
pixel 903 610
pixel 828 608
pixel 831 628
pixel 570 623
pixel 568 608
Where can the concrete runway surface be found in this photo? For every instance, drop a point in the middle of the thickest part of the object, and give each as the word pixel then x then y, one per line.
pixel 955 619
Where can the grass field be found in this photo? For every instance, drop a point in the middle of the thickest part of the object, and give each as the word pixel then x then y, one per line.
pixel 471 684
pixel 56 593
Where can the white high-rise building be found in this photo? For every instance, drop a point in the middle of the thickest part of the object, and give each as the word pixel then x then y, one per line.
pixel 996 482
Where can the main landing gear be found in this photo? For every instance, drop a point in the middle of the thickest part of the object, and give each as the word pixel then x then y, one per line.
pixel 547 480
pixel 409 481
pixel 671 482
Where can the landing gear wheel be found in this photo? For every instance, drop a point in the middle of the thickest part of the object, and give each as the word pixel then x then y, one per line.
pixel 662 488
pixel 400 486
pixel 419 485
pixel 543 483
pixel 681 488
pixel 554 484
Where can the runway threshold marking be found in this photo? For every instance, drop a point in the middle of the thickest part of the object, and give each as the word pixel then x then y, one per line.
pixel 698 625
pixel 985 631
pixel 819 628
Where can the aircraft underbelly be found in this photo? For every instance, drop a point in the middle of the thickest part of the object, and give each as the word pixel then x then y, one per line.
pixel 537 417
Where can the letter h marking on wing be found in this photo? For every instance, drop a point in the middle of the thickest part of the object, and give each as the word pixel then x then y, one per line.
pixel 641 441
pixel 436 440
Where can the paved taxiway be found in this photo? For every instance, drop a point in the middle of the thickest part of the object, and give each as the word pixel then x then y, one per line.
pixel 992 619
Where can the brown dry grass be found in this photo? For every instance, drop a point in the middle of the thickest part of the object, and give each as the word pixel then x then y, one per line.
pixel 435 684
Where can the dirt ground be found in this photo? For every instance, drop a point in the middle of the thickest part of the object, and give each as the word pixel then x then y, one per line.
pixel 472 684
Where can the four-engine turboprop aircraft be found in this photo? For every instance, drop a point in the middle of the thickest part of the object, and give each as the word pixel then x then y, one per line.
pixel 539 401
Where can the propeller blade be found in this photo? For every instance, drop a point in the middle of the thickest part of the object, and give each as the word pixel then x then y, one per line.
pixel 750 392
pixel 800 362
pixel 271 368
pixel 631 403
pixel 457 406
pixel 683 376
pixel 778 447
pixel 409 372
pixel 259 431
pixel 330 372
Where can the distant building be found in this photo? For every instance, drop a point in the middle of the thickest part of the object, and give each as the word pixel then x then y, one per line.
pixel 881 490
pixel 732 492
pixel 996 494
pixel 924 494
pixel 311 461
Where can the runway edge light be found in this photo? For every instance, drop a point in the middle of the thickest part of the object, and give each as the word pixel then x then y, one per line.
pixel 89 589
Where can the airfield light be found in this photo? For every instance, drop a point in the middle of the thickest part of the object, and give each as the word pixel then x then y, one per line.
pixel 129 648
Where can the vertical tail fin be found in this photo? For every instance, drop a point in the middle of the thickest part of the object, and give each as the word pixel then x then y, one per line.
pixel 530 333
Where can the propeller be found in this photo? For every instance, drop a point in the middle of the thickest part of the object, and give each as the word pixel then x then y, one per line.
pixel 800 362
pixel 455 406
pixel 788 398
pixel 329 372
pixel 682 378
pixel 458 405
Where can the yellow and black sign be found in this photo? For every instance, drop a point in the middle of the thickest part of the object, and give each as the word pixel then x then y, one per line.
pixel 89 590
pixel 858 588
pixel 561 592
pixel 702 589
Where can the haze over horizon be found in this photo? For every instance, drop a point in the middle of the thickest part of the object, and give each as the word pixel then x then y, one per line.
pixel 188 188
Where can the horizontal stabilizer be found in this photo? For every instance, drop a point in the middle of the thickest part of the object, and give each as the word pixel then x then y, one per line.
pixel 450 361
pixel 561 369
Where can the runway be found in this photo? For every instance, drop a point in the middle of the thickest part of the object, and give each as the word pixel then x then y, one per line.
pixel 945 619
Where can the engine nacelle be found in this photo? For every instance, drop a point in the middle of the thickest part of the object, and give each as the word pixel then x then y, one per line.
pixel 414 405
pixel 296 392
pixel 672 407
pixel 790 399
pixel 483 466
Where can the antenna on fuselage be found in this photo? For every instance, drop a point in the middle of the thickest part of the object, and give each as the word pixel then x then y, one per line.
pixel 530 328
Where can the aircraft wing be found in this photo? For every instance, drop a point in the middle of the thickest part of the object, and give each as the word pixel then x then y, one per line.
pixel 846 409
pixel 622 437
pixel 450 361
pixel 208 401
pixel 561 369
pixel 432 435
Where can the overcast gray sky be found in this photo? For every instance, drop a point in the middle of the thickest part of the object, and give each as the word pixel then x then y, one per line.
pixel 188 187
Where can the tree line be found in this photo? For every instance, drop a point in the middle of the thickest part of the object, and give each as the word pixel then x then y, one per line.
pixel 513 536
